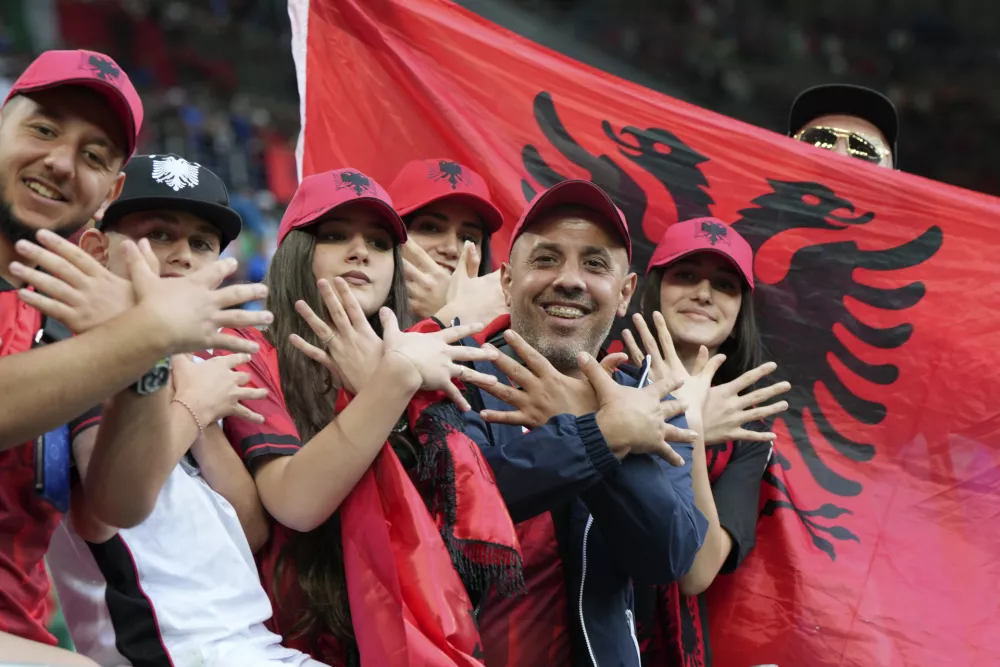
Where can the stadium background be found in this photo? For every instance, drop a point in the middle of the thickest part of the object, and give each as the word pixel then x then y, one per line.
pixel 218 83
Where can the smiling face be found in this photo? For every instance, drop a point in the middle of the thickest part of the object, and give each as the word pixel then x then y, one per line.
pixel 354 243
pixel 700 297
pixel 182 242
pixel 567 279
pixel 60 160
pixel 443 227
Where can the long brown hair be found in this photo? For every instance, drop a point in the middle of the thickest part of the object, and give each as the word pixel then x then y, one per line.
pixel 316 557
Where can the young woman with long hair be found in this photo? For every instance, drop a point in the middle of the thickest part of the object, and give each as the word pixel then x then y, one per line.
pixel 450 218
pixel 375 556
pixel 698 297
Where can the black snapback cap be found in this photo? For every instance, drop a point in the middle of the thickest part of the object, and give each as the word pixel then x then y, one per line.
pixel 844 98
pixel 168 181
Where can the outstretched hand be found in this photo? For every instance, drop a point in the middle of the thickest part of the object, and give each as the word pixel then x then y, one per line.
pixel 214 389
pixel 434 360
pixel 727 410
pixel 349 347
pixel 633 420
pixel 73 287
pixel 426 281
pixel 471 297
pixel 539 391
pixel 190 311
pixel 666 364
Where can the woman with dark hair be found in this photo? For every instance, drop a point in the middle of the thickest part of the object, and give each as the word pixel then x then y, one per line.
pixel 698 296
pixel 375 556
pixel 446 206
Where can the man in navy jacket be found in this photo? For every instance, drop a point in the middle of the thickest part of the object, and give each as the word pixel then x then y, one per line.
pixel 597 505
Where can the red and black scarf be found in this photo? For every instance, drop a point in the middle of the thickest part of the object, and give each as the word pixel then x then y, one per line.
pixel 415 547
pixel 675 634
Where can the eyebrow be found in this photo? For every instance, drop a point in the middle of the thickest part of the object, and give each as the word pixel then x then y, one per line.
pixel 551 246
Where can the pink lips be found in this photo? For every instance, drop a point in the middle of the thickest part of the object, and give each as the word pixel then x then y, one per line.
pixel 356 278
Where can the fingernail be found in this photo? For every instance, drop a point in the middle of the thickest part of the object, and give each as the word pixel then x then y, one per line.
pixel 254 348
pixel 584 357
pixel 17 267
pixel 691 434
pixel 268 317
pixel 24 246
pixel 261 290
pixel 46 234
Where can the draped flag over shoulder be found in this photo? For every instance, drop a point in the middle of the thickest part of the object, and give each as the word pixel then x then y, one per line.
pixel 879 536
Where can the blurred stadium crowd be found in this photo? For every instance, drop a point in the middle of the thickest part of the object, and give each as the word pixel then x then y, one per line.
pixel 217 81
pixel 935 59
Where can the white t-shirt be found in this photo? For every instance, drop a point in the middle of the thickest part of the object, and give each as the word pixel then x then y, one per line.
pixel 181 589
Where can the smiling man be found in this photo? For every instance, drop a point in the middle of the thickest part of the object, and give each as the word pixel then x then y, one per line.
pixel 596 508
pixel 67 127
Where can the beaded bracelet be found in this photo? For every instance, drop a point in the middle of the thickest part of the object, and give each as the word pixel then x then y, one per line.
pixel 197 422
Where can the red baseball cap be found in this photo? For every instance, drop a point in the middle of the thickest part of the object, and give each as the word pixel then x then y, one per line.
pixel 423 182
pixel 93 70
pixel 319 194
pixel 576 193
pixel 704 235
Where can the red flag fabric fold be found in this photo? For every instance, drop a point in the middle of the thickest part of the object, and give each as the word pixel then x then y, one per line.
pixel 875 295
pixel 416 544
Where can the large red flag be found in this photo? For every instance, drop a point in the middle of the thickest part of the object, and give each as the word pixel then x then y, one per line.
pixel 880 526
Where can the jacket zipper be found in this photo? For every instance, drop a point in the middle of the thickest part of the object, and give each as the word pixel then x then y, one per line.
pixel 583 580
pixel 630 619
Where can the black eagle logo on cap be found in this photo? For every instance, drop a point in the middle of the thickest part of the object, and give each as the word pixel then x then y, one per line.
pixel 353 179
pixel 104 69
pixel 713 231
pixel 449 171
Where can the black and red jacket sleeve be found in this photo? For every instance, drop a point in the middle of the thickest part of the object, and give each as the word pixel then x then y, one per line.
pixel 737 494
pixel 277 436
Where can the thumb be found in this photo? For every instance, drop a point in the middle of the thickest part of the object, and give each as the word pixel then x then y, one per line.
pixel 611 362
pixel 390 325
pixel 147 254
pixel 700 361
pixel 469 261
pixel 181 364
pixel 596 375
pixel 713 365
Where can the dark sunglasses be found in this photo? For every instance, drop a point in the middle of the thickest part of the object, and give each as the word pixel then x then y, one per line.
pixel 857 146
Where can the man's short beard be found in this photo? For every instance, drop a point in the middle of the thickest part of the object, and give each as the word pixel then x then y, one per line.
pixel 14 230
pixel 559 352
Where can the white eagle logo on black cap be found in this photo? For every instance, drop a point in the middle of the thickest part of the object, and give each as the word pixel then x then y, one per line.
pixel 175 172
